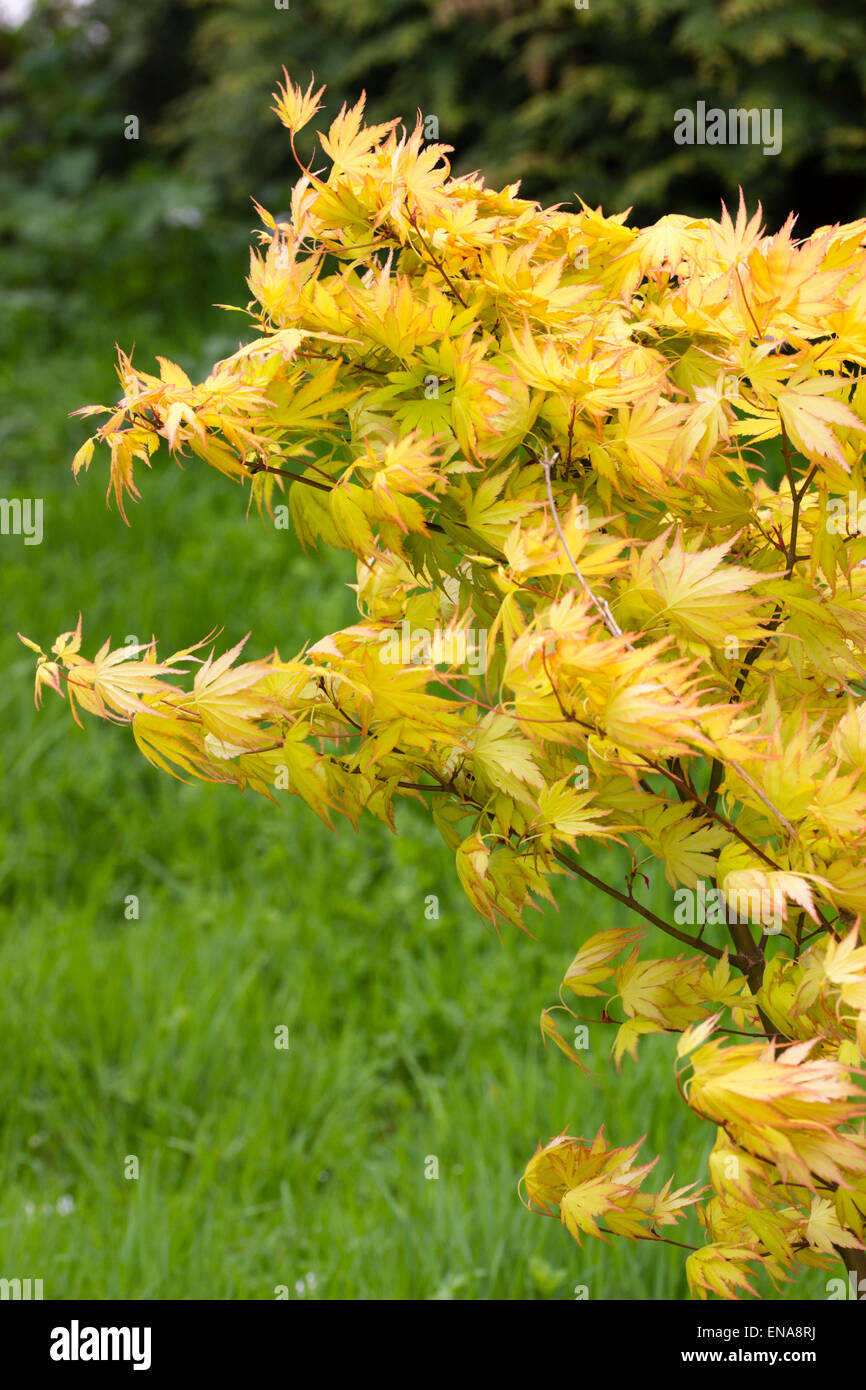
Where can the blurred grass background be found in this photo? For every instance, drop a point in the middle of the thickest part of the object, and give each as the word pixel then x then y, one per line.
pixel 409 1039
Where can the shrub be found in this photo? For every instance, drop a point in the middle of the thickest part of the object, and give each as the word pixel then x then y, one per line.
pixel 585 613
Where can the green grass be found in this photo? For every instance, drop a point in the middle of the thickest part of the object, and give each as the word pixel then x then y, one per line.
pixel 154 1037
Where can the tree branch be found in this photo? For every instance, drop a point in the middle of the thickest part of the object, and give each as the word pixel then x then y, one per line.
pixel 630 901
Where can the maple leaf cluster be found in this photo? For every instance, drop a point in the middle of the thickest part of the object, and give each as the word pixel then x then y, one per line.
pixel 543 425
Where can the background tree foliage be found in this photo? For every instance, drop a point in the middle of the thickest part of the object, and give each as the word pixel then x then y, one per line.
pixel 567 100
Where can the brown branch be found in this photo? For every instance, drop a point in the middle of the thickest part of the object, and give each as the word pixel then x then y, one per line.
pixel 630 901
pixel 691 795
pixel 439 265
pixel 667 1240
pixel 253 467
pixel 287 473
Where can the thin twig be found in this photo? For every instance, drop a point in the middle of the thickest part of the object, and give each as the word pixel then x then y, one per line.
pixel 600 604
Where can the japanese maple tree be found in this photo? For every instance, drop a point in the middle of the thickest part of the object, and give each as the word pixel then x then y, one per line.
pixel 543 426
